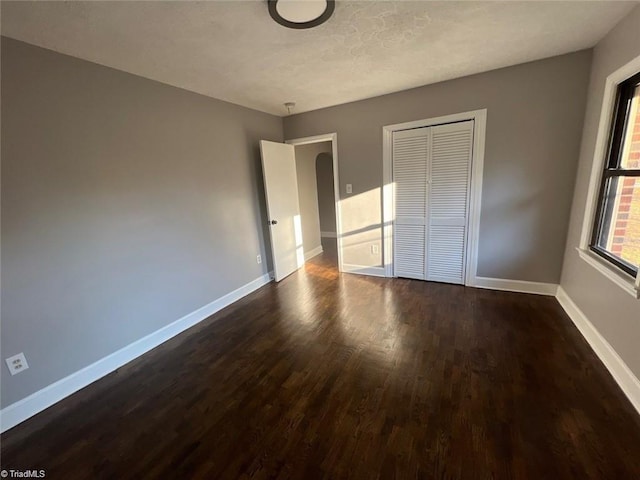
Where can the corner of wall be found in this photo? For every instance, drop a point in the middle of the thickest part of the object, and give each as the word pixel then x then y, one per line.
pixel 619 370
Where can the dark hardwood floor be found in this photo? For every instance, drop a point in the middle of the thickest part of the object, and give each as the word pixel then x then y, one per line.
pixel 344 376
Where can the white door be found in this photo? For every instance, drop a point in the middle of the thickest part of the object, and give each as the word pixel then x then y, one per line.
pixel 448 201
pixel 281 191
pixel 431 175
pixel 410 154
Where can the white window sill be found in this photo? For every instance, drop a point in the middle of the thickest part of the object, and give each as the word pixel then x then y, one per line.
pixel 626 282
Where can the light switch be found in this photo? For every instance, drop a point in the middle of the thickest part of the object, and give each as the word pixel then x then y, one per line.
pixel 349 188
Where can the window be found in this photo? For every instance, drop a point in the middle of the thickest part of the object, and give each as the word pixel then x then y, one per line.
pixel 616 232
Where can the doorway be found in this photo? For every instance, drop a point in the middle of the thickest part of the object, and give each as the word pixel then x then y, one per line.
pixel 317 174
pixel 308 200
pixel 326 204
pixel 291 193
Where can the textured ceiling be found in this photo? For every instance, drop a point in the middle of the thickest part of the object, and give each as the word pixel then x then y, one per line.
pixel 235 52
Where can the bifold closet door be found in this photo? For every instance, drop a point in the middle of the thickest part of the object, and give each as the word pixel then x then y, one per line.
pixel 448 201
pixel 431 175
pixel 410 154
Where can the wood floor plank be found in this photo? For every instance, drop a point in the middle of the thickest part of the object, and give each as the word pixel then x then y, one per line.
pixel 343 376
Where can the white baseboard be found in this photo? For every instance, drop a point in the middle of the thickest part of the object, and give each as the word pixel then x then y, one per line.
pixel 313 253
pixel 23 409
pixel 329 234
pixel 619 370
pixel 363 270
pixel 515 286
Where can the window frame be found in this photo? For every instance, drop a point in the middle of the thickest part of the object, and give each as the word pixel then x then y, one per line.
pixel 619 119
pixel 608 93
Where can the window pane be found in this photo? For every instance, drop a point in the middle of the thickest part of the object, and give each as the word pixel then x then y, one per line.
pixel 631 147
pixel 620 233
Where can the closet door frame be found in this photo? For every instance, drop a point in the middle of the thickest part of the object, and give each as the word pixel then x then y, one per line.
pixel 475 197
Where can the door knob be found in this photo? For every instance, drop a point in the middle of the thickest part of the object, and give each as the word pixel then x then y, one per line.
pixel 273 222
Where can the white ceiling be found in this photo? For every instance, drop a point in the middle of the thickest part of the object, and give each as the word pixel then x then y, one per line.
pixel 235 52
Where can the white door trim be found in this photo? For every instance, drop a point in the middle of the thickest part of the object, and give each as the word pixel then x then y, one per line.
pixel 333 138
pixel 477 164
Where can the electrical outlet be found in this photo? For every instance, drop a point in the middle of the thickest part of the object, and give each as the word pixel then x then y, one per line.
pixel 375 249
pixel 349 188
pixel 17 363
pixel 259 259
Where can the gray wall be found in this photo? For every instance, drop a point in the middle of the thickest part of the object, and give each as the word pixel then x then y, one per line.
pixel 535 114
pixel 326 195
pixel 308 192
pixel 613 312
pixel 126 204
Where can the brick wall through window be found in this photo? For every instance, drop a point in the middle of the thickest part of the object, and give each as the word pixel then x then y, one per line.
pixel 624 240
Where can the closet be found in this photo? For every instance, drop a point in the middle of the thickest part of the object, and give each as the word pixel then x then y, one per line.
pixel 431 176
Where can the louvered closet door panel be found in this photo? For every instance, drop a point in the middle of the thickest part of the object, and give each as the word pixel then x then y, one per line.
pixel 448 201
pixel 409 251
pixel 410 154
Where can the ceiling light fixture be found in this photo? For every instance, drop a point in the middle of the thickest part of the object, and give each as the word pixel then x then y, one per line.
pixel 301 13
